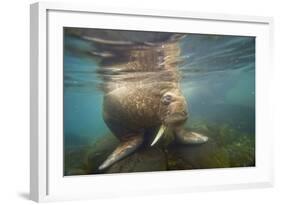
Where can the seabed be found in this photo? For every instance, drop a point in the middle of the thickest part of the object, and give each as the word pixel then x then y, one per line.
pixel 226 148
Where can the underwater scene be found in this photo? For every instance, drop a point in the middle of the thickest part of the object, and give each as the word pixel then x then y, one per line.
pixel 141 101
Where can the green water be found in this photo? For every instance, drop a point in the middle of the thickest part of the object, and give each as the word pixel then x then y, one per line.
pixel 218 81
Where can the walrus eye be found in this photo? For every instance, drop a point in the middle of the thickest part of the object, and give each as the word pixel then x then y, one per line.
pixel 166 100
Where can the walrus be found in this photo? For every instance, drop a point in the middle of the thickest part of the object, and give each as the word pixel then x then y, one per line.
pixel 141 84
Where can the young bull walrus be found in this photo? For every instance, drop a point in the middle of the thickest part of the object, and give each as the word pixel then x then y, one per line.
pixel 141 84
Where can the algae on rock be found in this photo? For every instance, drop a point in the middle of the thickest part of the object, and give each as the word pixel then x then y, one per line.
pixel 227 147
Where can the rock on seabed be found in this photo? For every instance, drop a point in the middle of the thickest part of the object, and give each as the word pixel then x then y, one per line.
pixel 225 148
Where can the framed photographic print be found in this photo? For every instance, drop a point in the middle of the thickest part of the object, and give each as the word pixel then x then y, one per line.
pixel 128 101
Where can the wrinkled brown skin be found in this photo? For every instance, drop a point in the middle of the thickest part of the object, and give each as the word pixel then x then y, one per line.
pixel 136 79
pixel 127 110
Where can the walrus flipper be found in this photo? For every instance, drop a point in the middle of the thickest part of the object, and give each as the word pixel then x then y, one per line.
pixel 186 137
pixel 126 147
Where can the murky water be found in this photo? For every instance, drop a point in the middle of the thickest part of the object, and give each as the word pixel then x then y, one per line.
pixel 217 78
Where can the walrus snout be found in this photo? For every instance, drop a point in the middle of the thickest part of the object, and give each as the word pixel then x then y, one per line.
pixel 176 118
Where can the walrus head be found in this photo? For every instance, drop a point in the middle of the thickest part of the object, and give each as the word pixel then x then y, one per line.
pixel 173 112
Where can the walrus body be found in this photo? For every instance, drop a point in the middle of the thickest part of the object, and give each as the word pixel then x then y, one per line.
pixel 141 84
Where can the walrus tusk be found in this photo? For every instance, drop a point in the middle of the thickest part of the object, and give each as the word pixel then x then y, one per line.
pixel 159 134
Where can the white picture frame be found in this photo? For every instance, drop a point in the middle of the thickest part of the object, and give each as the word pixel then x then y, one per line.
pixel 47 182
